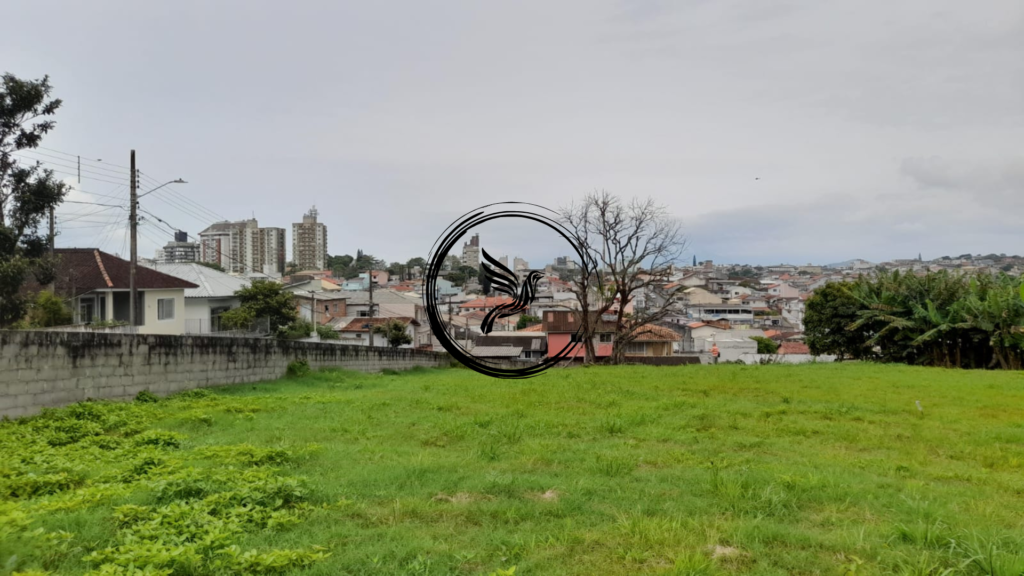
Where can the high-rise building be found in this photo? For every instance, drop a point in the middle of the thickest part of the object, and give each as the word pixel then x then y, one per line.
pixel 520 264
pixel 504 261
pixel 471 252
pixel 178 251
pixel 309 242
pixel 244 248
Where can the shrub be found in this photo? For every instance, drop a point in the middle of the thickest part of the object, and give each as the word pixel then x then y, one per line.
pixel 160 439
pixel 146 397
pixel 298 367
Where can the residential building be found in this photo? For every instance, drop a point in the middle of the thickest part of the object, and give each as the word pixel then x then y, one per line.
pixel 734 313
pixel 520 264
pixel 321 308
pixel 561 327
pixel 531 345
pixel 243 248
pixel 309 242
pixel 180 250
pixel 359 331
pixel 97 286
pixel 698 296
pixel 653 340
pixel 471 252
pixel 784 290
pixel 362 282
pixel 213 295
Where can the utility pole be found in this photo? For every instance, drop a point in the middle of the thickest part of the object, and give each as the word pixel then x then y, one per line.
pixel 52 232
pixel 369 278
pixel 133 223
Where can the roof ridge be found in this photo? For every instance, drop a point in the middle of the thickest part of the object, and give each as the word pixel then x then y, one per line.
pixel 99 261
pixel 202 277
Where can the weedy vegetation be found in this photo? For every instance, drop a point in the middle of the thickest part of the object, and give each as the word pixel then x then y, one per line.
pixel 779 469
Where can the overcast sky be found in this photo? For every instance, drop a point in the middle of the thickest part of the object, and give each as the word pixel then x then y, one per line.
pixel 796 131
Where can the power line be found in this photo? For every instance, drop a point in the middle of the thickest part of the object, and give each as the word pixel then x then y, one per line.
pixel 92 203
pixel 182 208
pixel 172 228
pixel 83 159
pixel 185 199
pixel 117 172
pixel 85 177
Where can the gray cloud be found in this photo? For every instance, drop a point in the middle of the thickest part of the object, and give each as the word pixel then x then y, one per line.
pixel 411 113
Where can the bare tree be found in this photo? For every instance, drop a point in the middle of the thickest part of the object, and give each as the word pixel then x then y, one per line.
pixel 633 244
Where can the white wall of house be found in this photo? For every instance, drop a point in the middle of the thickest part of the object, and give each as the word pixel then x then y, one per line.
pixel 172 325
pixel 199 312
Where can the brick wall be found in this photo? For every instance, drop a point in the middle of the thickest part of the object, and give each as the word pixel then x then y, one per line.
pixel 42 368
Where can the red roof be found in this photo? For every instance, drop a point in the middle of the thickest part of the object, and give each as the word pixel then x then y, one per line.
pixel 794 348
pixel 487 302
pixel 534 328
pixel 696 324
pixel 82 270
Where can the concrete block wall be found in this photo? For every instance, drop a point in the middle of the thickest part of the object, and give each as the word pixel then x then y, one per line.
pixel 41 369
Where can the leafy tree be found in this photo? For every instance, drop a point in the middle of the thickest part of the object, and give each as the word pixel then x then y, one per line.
pixel 416 262
pixel 48 310
pixel 765 345
pixel 27 193
pixel 943 319
pixel 212 266
pixel 460 275
pixel 301 328
pixel 396 270
pixel 327 333
pixel 262 299
pixel 394 331
pixel 527 320
pixel 829 314
pixel 452 262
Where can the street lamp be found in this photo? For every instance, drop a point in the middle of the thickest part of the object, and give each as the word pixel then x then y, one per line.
pixel 150 191
pixel 133 220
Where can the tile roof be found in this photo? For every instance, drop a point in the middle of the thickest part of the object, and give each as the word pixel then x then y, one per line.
pixel 534 328
pixel 653 333
pixel 81 270
pixel 487 302
pixel 794 348
pixel 360 324
pixel 696 324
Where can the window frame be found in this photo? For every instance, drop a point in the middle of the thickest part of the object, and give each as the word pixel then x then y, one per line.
pixel 161 314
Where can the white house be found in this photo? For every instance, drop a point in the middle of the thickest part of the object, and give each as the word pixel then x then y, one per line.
pixel 96 284
pixel 784 290
pixel 213 295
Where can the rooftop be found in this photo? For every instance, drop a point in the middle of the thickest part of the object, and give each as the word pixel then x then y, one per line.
pixel 210 283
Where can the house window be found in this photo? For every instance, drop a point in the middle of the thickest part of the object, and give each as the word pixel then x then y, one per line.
pixel 575 337
pixel 636 348
pixel 605 338
pixel 363 314
pixel 165 309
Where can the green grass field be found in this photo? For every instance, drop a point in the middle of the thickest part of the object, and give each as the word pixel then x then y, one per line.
pixel 814 469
